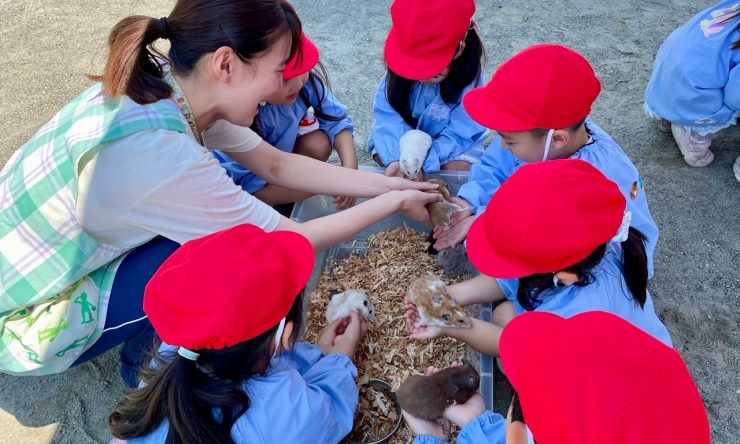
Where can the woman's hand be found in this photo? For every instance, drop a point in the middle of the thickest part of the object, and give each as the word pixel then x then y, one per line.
pixel 418 332
pixel 413 204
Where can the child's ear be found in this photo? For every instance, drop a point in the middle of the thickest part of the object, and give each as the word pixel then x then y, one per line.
pixel 560 139
pixel 287 333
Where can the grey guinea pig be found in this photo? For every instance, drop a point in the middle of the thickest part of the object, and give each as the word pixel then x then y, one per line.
pixel 435 307
pixel 342 303
pixel 427 397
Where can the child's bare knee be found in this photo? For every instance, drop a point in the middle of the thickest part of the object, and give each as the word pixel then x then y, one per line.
pixel 504 313
pixel 315 144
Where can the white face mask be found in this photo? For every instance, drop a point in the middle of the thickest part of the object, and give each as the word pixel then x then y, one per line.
pixel 547 144
pixel 279 337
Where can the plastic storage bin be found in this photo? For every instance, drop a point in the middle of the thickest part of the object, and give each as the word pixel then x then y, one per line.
pixel 319 206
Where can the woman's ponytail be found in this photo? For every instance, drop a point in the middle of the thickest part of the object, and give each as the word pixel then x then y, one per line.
pixel 635 262
pixel 133 67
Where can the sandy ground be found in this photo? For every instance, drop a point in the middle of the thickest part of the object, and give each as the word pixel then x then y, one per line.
pixel 49 46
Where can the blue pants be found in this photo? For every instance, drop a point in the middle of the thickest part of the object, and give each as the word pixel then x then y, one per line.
pixel 125 319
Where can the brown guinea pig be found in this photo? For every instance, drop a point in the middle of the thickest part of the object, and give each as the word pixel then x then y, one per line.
pixel 435 307
pixel 441 212
pixel 427 397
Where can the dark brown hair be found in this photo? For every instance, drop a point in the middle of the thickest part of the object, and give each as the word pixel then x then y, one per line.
pixel 194 28
pixel 189 393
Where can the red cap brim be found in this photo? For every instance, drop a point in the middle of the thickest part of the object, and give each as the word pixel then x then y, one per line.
pixel 410 67
pixel 303 61
pixel 488 261
pixel 483 109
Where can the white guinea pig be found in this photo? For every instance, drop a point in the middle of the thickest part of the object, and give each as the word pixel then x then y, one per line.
pixel 342 303
pixel 414 146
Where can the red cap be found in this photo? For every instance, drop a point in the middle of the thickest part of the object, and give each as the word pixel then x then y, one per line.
pixel 425 35
pixel 546 217
pixel 596 378
pixel 303 61
pixel 544 86
pixel 227 287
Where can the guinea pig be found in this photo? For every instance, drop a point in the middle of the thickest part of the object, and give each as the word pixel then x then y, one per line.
pixel 342 303
pixel 414 146
pixel 441 212
pixel 427 397
pixel 435 307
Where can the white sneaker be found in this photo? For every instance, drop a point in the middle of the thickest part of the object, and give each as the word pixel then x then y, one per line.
pixel 736 168
pixel 695 148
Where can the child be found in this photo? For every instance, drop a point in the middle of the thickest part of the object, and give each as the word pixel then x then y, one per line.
pixel 434 56
pixel 539 102
pixel 302 117
pixel 556 237
pixel 695 86
pixel 228 309
pixel 591 378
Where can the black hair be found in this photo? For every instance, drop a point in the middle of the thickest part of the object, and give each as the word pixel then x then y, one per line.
pixel 194 28
pixel 635 272
pixel 542 132
pixel 464 70
pixel 187 392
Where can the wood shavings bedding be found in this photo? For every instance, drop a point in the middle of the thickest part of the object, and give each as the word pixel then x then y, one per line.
pixel 393 259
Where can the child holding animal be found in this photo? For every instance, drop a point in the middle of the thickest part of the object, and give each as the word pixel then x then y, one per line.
pixel 433 53
pixel 303 117
pixel 539 102
pixel 565 246
pixel 230 369
pixel 606 381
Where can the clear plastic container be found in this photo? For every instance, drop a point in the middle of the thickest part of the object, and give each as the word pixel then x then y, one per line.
pixel 319 206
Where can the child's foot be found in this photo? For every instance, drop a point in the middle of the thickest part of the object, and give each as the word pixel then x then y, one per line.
pixel 736 168
pixel 664 126
pixel 695 148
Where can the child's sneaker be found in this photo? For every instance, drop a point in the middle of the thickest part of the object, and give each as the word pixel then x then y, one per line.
pixel 664 126
pixel 736 168
pixel 695 148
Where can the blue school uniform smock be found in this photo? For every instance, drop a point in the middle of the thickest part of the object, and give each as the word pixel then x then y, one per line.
pixel 608 292
pixel 488 428
pixel 498 164
pixel 278 126
pixel 455 135
pixel 696 77
pixel 305 396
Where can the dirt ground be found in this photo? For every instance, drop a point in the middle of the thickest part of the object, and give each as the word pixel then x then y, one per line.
pixel 50 45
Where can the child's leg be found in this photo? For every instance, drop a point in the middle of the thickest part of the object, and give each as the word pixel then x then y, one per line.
pixel 456 165
pixel 695 148
pixel 377 160
pixel 736 168
pixel 503 313
pixel 315 145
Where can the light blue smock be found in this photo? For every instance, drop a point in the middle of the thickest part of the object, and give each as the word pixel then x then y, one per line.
pixel 455 135
pixel 488 428
pixel 305 396
pixel 696 77
pixel 278 126
pixel 608 292
pixel 498 164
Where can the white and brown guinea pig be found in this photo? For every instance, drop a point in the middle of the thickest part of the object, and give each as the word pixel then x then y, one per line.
pixel 435 307
pixel 414 147
pixel 342 303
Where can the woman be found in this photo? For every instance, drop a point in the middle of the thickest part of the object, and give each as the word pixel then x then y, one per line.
pixel 126 162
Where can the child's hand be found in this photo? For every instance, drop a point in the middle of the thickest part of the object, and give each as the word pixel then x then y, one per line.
pixel 346 342
pixel 452 236
pixel 344 202
pixel 326 340
pixel 394 169
pixel 462 414
pixel 439 429
pixel 418 332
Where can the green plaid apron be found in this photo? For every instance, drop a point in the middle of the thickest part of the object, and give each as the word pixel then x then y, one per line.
pixel 55 279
